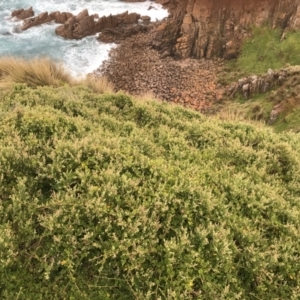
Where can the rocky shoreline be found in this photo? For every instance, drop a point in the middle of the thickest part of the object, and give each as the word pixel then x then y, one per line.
pixel 144 62
pixel 136 67
pixel 81 25
pixel 180 58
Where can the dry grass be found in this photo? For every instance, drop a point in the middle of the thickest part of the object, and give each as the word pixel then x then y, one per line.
pixel 239 114
pixel 232 114
pixel 35 72
pixel 98 84
pixel 148 96
pixel 45 72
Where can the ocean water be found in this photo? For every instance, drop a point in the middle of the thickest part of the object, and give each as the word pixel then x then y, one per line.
pixel 79 56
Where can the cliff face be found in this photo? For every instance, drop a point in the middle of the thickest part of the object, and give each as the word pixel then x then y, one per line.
pixel 207 28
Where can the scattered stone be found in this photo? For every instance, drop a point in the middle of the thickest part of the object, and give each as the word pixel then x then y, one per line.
pixel 138 69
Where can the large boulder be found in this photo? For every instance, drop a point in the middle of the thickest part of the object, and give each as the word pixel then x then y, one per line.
pixel 23 14
pixel 40 19
pixel 56 16
pixel 66 30
pixel 127 18
pixel 61 17
pixel 82 15
pixel 77 27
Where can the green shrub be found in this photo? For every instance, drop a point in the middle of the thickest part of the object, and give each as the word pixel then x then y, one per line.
pixel 105 197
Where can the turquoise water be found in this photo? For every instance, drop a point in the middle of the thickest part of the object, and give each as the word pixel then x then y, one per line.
pixel 79 56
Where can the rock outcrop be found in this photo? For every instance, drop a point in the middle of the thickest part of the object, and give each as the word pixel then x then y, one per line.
pixel 120 33
pixel 23 14
pixel 82 25
pixel 253 85
pixel 207 28
pixel 77 27
pixel 56 16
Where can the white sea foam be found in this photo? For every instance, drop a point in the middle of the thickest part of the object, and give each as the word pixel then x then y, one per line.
pixel 79 56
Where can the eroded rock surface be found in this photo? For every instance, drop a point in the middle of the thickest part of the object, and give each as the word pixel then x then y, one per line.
pixel 207 28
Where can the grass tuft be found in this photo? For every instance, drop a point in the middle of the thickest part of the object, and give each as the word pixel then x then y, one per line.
pixel 98 84
pixel 34 73
pixel 231 114
pixel 45 72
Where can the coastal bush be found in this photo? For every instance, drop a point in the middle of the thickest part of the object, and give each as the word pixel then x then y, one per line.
pixel 107 197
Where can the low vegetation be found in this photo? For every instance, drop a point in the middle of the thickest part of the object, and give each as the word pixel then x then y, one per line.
pixel 106 197
pixel 267 48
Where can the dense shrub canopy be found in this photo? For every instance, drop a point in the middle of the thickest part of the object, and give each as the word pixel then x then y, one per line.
pixel 105 197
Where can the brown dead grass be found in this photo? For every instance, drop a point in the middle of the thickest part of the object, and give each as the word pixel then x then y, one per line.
pixel 45 72
pixel 231 114
pixel 35 72
pixel 98 84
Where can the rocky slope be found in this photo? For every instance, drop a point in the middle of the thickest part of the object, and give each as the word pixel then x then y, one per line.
pixel 137 68
pixel 195 29
pixel 207 28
